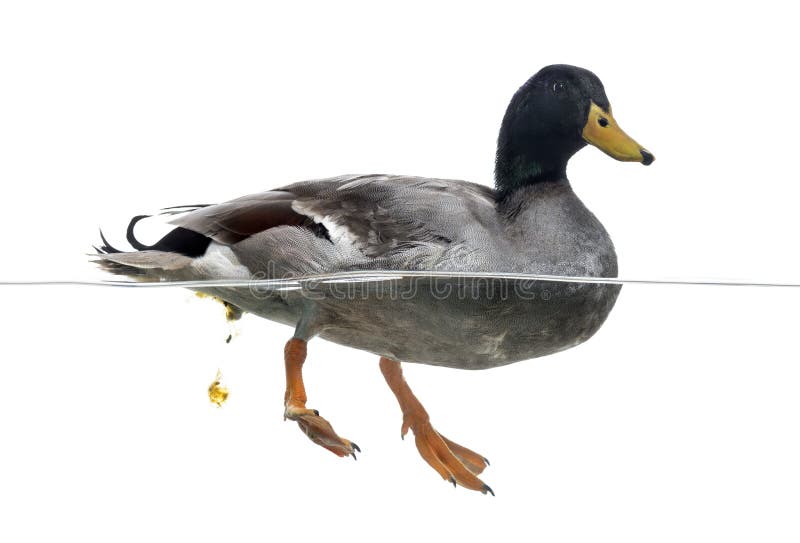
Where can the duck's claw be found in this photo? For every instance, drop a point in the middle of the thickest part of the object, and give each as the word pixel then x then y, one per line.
pixel 320 431
pixel 453 462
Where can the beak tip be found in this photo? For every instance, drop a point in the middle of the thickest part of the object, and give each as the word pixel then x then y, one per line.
pixel 647 157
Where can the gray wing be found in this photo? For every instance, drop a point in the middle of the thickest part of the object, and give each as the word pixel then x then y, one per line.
pixel 365 221
pixel 382 215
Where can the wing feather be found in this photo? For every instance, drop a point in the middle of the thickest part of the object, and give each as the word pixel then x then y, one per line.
pixel 376 214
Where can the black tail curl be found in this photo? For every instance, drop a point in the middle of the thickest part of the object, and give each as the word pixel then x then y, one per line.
pixel 178 240
pixel 135 243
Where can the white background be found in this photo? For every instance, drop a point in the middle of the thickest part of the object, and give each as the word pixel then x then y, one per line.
pixel 678 421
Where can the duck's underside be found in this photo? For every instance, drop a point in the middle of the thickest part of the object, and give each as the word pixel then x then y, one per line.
pixel 460 322
pixel 465 323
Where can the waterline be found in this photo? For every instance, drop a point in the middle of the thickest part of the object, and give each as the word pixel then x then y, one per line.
pixel 296 283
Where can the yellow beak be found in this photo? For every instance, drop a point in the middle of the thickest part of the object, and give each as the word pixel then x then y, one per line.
pixel 603 132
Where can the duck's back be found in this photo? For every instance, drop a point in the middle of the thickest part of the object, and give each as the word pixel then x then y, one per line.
pixel 359 222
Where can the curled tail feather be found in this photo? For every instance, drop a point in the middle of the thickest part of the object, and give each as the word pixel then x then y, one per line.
pixel 174 251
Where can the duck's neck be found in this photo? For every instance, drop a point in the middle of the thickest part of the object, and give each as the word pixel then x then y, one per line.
pixel 531 150
pixel 521 172
pixel 515 170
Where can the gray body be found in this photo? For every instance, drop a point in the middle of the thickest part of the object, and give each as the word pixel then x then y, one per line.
pixel 408 223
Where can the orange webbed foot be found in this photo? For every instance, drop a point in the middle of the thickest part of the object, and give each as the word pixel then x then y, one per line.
pixel 453 462
pixel 320 431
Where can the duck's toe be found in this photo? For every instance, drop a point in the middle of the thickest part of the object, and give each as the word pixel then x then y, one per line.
pixel 322 433
pixel 474 461
pixel 458 468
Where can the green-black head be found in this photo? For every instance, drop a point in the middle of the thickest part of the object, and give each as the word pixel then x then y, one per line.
pixel 550 118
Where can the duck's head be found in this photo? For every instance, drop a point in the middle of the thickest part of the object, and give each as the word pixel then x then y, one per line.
pixel 551 117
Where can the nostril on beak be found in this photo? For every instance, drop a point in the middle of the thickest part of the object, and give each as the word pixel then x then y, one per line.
pixel 647 157
pixel 602 121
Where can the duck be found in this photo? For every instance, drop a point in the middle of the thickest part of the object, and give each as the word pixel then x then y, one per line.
pixel 530 222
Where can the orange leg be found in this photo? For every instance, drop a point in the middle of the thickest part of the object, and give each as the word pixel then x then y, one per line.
pixel 315 427
pixel 453 462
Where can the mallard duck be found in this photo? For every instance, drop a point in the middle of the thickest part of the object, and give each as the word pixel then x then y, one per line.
pixel 531 222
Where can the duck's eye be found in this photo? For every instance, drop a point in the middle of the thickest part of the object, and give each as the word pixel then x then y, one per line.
pixel 559 87
pixel 602 121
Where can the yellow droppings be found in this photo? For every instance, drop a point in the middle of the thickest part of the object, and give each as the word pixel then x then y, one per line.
pixel 217 392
